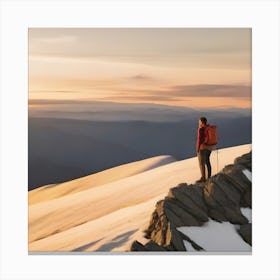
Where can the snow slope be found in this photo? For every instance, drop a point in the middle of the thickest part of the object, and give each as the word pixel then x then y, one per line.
pixel 215 237
pixel 113 174
pixel 218 237
pixel 108 217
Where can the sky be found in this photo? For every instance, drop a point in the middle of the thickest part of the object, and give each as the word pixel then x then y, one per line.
pixel 191 67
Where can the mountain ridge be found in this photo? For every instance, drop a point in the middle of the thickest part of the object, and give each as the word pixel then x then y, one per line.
pixel 53 191
pixel 71 222
pixel 216 204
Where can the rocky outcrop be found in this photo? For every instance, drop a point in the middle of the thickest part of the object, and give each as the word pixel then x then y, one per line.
pixel 246 232
pixel 220 199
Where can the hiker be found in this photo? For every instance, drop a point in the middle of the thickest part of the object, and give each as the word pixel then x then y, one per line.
pixel 203 150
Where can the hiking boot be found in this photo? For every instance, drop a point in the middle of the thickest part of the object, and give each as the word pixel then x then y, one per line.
pixel 201 180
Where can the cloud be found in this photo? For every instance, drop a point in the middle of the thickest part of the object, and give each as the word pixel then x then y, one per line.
pixel 136 97
pixel 58 39
pixel 54 91
pixel 174 93
pixel 183 47
pixel 199 90
pixel 141 77
pixel 54 101
pixel 211 90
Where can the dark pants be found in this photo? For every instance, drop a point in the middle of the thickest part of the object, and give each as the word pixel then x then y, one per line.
pixel 204 159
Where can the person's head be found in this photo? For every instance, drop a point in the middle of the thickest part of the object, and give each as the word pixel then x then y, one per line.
pixel 202 121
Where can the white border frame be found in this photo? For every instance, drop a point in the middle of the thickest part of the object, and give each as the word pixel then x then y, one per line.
pixel 262 16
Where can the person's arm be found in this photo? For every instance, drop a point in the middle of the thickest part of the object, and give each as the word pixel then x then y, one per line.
pixel 199 139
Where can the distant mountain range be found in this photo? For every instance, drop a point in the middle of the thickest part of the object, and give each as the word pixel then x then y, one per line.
pixel 66 142
pixel 112 111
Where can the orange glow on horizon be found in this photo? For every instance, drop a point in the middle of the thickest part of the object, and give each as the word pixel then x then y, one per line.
pixel 143 66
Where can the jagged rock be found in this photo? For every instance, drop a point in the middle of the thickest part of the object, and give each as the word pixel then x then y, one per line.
pixel 152 246
pixel 214 195
pixel 176 212
pixel 246 233
pixel 216 198
pixel 195 246
pixel 234 215
pixel 159 236
pixel 196 209
pixel 158 225
pixel 174 218
pixel 174 238
pixel 220 198
pixel 227 186
pixel 195 192
pixel 137 246
pixel 158 222
pixel 170 247
pixel 159 208
pixel 236 175
pixel 246 200
pixel 241 182
pixel 217 215
pixel 152 224
pixel 245 161
pixel 168 210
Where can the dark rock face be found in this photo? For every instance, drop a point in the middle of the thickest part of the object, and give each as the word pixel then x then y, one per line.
pixel 220 199
pixel 191 200
pixel 246 232
pixel 221 196
pixel 150 246
pixel 137 246
pixel 245 160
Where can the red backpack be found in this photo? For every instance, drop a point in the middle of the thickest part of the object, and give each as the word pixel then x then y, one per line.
pixel 211 135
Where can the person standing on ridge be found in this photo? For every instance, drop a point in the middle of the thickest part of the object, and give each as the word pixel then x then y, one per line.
pixel 203 150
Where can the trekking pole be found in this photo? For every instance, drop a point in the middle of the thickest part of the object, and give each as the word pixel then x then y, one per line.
pixel 217 161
